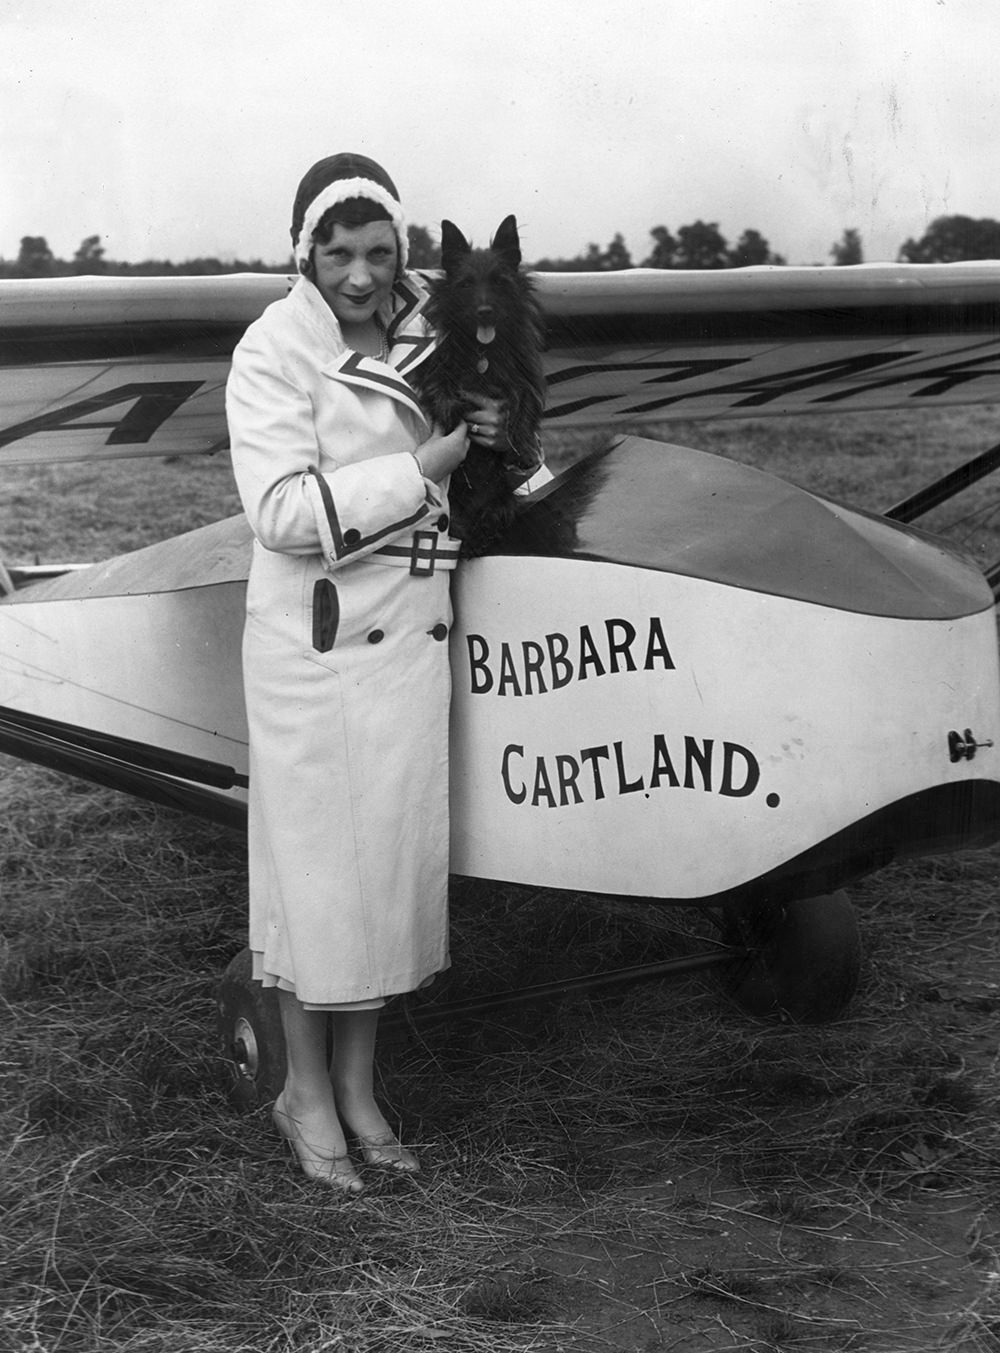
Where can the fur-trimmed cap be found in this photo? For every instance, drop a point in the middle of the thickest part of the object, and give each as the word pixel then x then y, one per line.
pixel 334 180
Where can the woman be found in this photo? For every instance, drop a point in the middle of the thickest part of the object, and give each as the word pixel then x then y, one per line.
pixel 345 654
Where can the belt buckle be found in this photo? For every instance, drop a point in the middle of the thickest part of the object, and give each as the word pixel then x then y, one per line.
pixel 423 553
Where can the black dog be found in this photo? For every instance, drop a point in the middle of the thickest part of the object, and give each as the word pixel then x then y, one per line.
pixel 489 329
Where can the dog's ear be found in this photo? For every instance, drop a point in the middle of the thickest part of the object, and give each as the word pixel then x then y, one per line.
pixel 506 242
pixel 454 246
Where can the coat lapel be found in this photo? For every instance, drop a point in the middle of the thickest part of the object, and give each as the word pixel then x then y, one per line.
pixel 354 368
pixel 408 339
pixel 407 331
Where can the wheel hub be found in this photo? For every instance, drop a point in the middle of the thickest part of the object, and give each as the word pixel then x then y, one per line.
pixel 245 1052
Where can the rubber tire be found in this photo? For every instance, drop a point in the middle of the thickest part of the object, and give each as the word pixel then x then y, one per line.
pixel 250 1034
pixel 805 962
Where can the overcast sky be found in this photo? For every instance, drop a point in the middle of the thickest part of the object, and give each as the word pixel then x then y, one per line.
pixel 177 128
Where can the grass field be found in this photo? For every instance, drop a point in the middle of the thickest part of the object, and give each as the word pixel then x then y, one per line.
pixel 644 1170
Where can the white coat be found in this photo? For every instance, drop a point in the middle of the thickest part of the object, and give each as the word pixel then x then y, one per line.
pixel 345 656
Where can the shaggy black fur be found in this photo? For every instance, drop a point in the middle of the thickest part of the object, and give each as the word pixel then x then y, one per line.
pixel 489 329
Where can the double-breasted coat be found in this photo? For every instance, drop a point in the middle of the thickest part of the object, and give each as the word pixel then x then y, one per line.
pixel 345 656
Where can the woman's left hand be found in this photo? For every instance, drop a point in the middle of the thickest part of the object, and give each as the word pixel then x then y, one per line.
pixel 487 421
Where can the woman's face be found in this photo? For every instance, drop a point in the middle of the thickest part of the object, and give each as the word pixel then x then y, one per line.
pixel 356 269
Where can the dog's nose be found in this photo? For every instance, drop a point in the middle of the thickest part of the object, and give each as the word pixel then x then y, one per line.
pixel 484 313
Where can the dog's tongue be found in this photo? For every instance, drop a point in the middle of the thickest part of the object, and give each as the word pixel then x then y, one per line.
pixel 485 334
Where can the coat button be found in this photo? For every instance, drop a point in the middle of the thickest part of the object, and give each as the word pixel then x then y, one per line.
pixel 442 522
pixel 376 636
pixel 440 631
pixel 352 536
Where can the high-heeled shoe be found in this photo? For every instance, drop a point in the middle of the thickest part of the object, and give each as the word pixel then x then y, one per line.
pixel 337 1171
pixel 388 1153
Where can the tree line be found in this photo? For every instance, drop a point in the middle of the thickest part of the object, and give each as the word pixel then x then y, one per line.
pixel 701 245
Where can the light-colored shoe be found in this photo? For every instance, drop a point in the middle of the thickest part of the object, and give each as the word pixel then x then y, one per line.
pixel 337 1171
pixel 388 1154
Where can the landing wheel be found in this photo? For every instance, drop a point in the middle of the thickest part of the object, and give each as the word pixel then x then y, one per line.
pixel 250 1033
pixel 804 961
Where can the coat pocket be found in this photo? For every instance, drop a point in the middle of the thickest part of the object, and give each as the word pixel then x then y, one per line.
pixel 325 615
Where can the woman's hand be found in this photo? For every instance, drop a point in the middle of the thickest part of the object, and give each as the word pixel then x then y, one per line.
pixel 443 452
pixel 487 421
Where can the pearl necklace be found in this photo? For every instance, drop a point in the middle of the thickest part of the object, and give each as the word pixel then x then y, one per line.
pixel 383 341
pixel 382 355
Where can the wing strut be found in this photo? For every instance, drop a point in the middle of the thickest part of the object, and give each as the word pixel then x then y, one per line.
pixel 932 495
pixel 950 484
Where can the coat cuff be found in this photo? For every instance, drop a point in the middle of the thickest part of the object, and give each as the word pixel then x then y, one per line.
pixel 359 507
pixel 519 468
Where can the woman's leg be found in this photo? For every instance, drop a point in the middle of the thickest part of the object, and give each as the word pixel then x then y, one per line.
pixel 352 1074
pixel 305 1112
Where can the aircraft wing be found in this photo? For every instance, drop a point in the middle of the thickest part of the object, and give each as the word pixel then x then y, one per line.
pixel 123 366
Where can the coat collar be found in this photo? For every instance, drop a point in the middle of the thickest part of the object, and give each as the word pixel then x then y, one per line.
pixel 409 337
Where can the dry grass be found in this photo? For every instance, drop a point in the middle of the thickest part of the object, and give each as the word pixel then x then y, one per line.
pixel 141 1212
pixel 644 1170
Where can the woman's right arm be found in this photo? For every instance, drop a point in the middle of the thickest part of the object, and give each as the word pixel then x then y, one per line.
pixel 443 452
pixel 292 507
